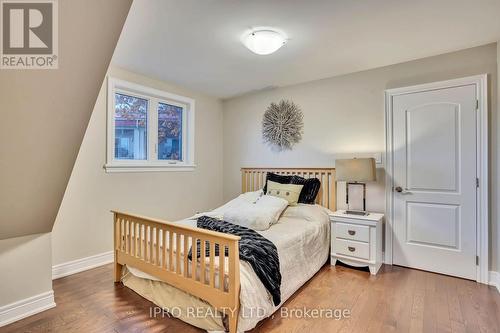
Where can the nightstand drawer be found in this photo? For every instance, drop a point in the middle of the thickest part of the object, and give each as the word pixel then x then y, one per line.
pixel 351 231
pixel 352 248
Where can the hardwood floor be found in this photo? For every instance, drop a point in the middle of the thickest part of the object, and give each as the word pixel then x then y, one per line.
pixel 397 299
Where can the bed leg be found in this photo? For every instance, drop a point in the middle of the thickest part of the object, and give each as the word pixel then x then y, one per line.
pixel 118 272
pixel 234 313
pixel 117 246
pixel 233 321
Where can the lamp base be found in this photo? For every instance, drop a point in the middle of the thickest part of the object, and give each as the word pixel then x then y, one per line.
pixel 356 212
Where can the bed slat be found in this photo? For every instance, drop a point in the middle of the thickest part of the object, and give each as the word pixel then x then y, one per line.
pixel 194 258
pixel 185 241
pixel 178 253
pixel 170 250
pixel 212 261
pixel 221 266
pixel 156 246
pixel 202 260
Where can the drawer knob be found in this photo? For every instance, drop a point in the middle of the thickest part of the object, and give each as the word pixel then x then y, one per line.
pixel 351 248
pixel 351 232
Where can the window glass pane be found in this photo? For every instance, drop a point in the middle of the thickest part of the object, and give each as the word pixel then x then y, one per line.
pixel 131 114
pixel 169 132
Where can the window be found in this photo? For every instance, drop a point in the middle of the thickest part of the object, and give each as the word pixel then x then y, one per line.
pixel 170 132
pixel 148 129
pixel 131 119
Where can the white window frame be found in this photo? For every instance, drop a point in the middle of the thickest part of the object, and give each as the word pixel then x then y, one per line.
pixel 154 97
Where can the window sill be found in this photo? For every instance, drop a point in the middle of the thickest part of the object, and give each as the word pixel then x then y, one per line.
pixel 149 168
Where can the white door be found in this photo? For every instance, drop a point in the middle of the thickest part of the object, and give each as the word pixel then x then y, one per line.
pixel 434 161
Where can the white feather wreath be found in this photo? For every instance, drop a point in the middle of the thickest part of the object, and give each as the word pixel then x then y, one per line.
pixel 282 125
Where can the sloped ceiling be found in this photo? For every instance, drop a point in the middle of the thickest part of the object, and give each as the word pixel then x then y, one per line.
pixel 44 115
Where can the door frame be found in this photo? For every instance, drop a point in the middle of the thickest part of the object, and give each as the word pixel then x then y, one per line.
pixel 482 159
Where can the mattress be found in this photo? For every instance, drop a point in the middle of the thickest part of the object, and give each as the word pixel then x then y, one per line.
pixel 301 237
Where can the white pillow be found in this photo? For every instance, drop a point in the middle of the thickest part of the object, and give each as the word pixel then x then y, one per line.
pixel 259 215
pixel 242 199
pixel 252 196
pixel 307 212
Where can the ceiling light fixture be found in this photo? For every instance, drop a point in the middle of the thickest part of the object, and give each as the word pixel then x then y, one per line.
pixel 264 42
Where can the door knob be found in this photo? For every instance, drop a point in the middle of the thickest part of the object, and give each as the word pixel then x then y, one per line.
pixel 399 189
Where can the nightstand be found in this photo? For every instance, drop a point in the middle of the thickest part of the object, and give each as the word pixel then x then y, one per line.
pixel 357 240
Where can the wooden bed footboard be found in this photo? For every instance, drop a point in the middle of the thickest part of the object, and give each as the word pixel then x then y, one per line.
pixel 161 249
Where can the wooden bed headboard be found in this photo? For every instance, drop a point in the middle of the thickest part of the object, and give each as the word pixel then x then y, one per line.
pixel 253 179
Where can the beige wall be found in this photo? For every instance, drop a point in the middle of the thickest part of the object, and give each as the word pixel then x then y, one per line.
pixel 26 267
pixel 343 115
pixel 84 224
pixel 495 172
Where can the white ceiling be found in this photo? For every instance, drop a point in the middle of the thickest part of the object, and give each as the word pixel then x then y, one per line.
pixel 196 43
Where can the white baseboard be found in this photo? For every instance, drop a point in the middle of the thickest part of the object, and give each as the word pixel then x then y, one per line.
pixel 495 279
pixel 26 307
pixel 80 265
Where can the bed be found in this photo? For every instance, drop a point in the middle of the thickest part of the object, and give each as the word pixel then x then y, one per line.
pixel 157 267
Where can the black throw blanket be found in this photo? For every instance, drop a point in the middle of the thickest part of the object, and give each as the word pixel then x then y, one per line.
pixel 258 251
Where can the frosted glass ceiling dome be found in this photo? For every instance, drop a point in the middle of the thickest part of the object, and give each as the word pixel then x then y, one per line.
pixel 264 42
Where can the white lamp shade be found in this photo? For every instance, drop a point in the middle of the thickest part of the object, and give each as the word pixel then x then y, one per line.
pixel 264 42
pixel 355 170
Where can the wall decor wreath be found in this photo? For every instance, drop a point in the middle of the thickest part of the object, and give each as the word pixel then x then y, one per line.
pixel 282 125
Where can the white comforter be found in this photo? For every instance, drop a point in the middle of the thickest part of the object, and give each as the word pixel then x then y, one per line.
pixel 301 236
pixel 302 239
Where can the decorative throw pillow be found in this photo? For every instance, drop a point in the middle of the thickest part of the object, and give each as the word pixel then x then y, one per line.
pixel 289 192
pixel 310 189
pixel 282 179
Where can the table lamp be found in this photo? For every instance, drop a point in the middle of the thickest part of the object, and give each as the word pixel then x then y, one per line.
pixel 355 171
